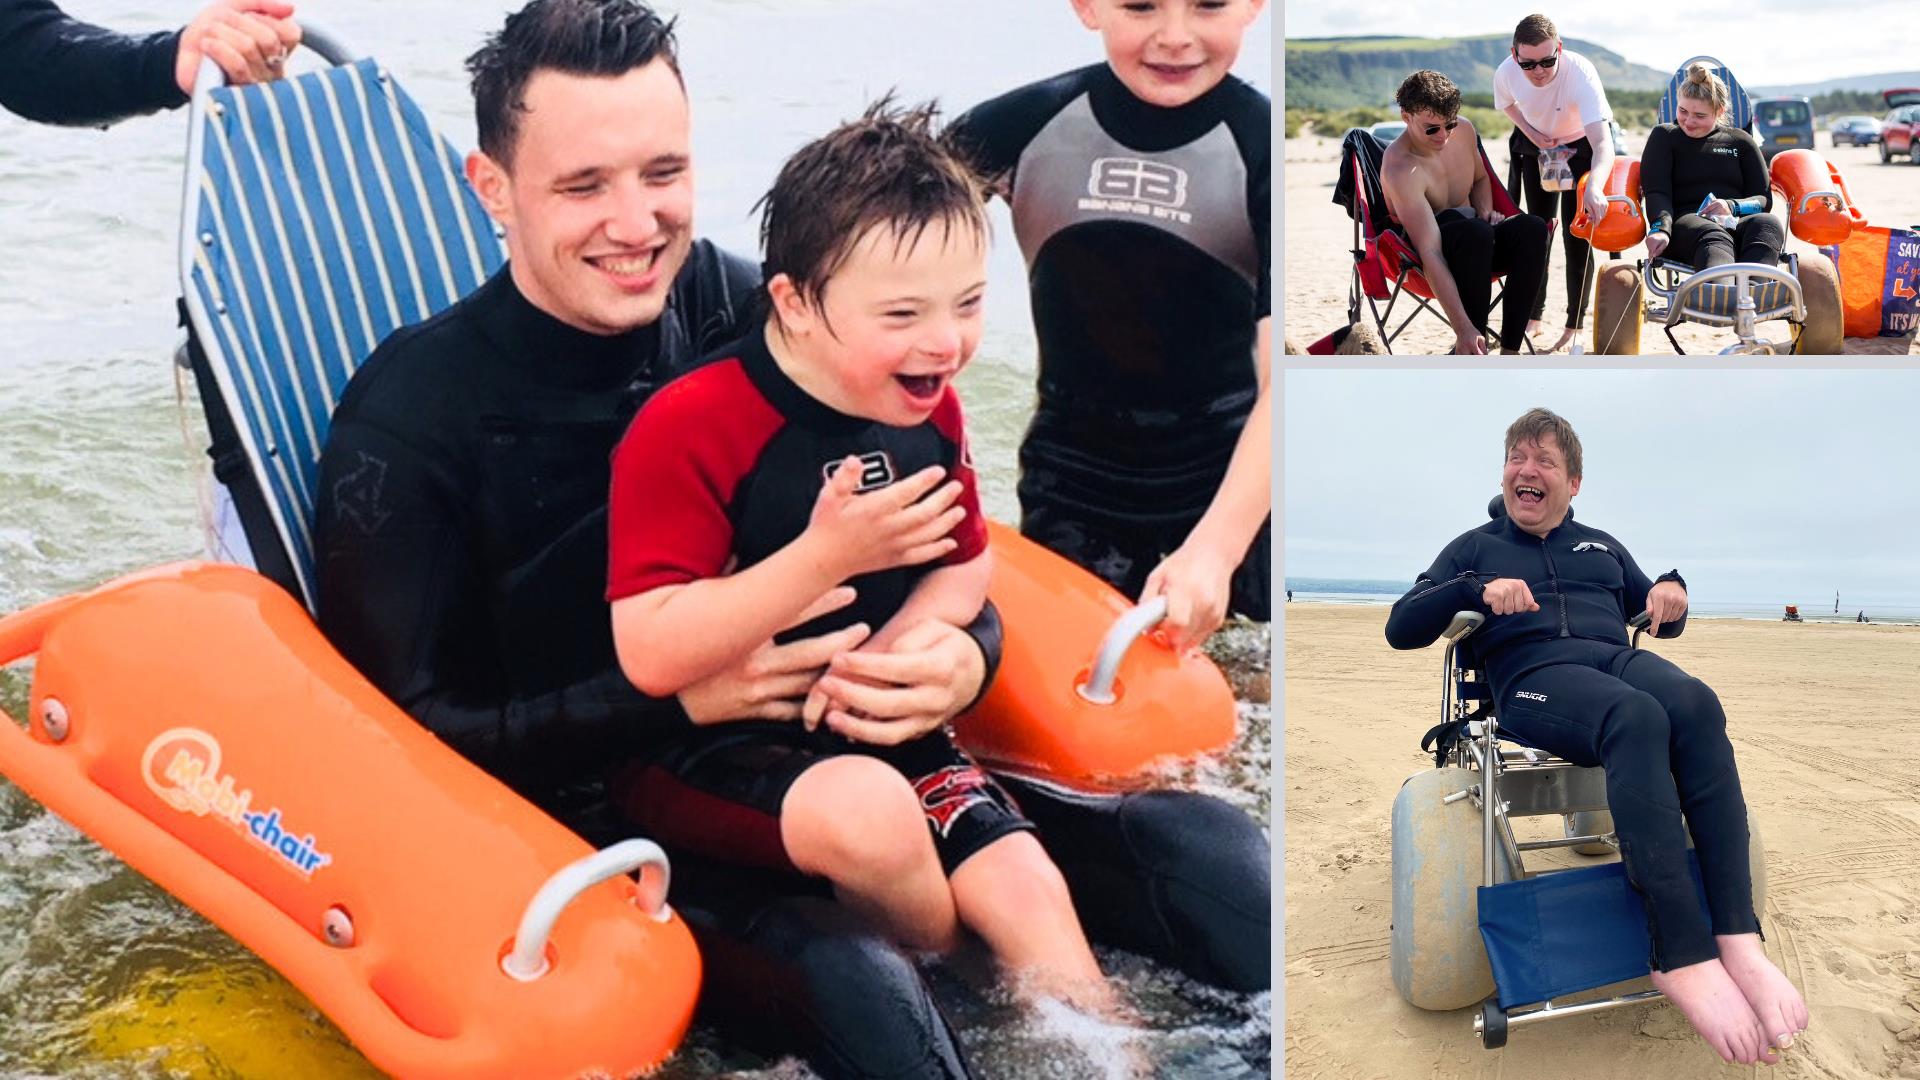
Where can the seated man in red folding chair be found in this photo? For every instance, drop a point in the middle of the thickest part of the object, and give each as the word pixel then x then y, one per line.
pixel 1440 196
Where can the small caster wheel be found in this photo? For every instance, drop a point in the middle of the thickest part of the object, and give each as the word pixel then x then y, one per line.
pixel 1493 1024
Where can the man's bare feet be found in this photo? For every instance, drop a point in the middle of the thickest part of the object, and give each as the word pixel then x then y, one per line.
pixel 1712 1002
pixel 1566 336
pixel 1772 998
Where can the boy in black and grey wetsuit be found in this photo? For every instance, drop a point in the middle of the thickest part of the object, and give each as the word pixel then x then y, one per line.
pixel 1139 190
pixel 1566 679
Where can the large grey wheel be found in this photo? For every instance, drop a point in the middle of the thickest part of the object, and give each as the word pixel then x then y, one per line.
pixel 1824 333
pixel 1437 957
pixel 1618 302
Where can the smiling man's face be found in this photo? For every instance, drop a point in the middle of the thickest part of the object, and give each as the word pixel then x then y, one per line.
pixel 598 198
pixel 1535 485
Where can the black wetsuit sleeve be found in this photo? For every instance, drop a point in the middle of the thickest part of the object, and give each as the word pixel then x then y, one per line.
pixel 1656 180
pixel 1447 587
pixel 57 70
pixel 991 136
pixel 1638 585
pixel 986 633
pixel 401 597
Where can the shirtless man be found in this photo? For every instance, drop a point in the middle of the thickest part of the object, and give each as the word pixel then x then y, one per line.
pixel 1441 200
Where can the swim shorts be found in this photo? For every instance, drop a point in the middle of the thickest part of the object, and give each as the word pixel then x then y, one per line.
pixel 719 791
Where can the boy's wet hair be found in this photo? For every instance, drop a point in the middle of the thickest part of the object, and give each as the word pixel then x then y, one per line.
pixel 885 169
pixel 1535 425
pixel 577 37
pixel 1429 91
pixel 1534 30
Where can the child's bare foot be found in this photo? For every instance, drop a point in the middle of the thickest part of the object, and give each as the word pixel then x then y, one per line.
pixel 1773 999
pixel 1711 1001
pixel 1566 336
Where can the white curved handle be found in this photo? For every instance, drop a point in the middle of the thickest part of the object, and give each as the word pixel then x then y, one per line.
pixel 1838 202
pixel 528 960
pixel 1125 631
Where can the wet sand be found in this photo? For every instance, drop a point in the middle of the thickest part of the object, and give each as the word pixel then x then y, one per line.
pixel 1825 722
pixel 1319 236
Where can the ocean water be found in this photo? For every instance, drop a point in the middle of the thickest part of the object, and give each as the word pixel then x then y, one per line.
pixel 1877 609
pixel 101 450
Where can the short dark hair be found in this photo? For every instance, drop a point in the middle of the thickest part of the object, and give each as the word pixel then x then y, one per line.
pixel 1429 91
pixel 886 168
pixel 1534 30
pixel 1535 424
pixel 578 37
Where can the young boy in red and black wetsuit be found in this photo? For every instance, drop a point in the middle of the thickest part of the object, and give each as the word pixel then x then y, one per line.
pixel 1140 191
pixel 828 448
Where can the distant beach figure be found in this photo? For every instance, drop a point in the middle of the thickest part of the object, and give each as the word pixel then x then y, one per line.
pixel 1861 617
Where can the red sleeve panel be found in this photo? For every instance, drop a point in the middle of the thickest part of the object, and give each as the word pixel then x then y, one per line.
pixel 674 477
pixel 971 533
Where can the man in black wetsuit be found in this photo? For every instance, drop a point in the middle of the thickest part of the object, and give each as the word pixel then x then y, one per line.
pixel 1140 191
pixel 1566 679
pixel 461 530
pixel 58 70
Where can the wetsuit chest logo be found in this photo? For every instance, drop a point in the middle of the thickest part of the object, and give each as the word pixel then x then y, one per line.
pixel 1135 186
pixel 1529 695
pixel 876 470
pixel 1591 545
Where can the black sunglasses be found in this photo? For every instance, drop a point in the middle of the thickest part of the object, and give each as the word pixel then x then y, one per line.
pixel 1434 129
pixel 1544 62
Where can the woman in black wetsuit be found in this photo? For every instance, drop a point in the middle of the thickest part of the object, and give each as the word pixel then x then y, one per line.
pixel 1694 158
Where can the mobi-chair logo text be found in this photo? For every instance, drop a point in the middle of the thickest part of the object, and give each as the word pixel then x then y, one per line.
pixel 182 766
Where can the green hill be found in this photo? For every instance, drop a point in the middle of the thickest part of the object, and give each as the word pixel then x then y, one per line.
pixel 1342 72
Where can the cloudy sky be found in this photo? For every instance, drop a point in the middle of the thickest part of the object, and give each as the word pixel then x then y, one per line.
pixel 1763 486
pixel 1764 41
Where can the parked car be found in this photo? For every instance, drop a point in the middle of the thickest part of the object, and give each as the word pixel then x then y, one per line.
pixel 1855 131
pixel 1388 130
pixel 1896 131
pixel 1784 123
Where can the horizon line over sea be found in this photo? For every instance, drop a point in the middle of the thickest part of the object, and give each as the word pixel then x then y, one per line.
pixel 1374 591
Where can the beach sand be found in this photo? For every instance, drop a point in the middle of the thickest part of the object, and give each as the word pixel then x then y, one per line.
pixel 1825 721
pixel 1319 236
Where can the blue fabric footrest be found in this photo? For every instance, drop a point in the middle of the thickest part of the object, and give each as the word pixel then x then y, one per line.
pixel 1566 932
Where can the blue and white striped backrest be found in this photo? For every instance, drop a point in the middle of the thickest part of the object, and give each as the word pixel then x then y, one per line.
pixel 325 214
pixel 1739 107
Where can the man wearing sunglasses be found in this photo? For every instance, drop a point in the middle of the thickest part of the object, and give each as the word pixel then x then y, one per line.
pixel 1555 99
pixel 1440 197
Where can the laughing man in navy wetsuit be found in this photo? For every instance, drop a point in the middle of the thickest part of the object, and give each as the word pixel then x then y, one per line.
pixel 1139 190
pixel 1559 594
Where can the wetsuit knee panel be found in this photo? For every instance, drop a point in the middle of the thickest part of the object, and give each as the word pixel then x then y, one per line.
pixel 1635 723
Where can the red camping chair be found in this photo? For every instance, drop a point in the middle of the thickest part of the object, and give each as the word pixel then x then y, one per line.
pixel 1385 265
